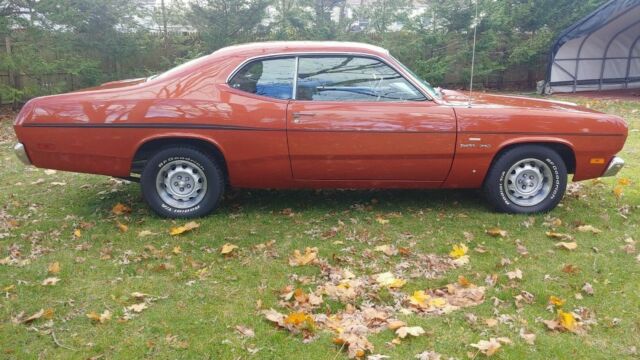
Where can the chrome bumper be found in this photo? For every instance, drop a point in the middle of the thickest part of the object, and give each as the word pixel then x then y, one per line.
pixel 614 167
pixel 21 153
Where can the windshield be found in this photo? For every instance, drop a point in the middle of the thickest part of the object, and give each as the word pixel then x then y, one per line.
pixel 433 92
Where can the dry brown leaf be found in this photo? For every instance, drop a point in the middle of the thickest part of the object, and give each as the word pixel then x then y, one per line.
pixel 387 250
pixel 560 236
pixel 144 233
pixel 515 275
pixel 137 308
pixel 587 289
pixel 122 227
pixel 228 248
pixel 487 347
pixel 405 331
pixel 120 209
pixel 298 259
pixel 589 228
pixel 184 228
pixel 101 318
pixel 245 331
pixel 567 245
pixel 33 317
pixel 50 281
pixel 496 232
pixel 387 279
pixel 54 268
pixel 527 336
pixel 396 324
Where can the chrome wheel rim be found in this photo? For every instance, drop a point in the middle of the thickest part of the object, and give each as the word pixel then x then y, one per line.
pixel 181 184
pixel 528 182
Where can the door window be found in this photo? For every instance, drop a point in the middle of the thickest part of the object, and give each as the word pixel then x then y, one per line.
pixel 351 78
pixel 267 77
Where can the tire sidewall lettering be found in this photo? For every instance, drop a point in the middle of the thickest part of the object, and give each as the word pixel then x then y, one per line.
pixel 552 195
pixel 168 208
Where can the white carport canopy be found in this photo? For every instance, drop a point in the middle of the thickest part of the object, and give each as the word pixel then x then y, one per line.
pixel 600 52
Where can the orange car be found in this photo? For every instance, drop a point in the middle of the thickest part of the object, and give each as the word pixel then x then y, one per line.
pixel 315 115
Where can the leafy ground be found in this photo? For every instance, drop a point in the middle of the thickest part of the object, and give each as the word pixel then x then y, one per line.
pixel 113 284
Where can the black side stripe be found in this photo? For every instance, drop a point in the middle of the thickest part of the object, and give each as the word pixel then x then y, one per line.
pixel 151 126
pixel 249 128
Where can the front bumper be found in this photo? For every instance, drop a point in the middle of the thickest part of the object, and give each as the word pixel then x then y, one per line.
pixel 614 167
pixel 21 153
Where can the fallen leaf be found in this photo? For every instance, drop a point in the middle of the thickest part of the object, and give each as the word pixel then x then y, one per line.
pixel 458 251
pixel 567 321
pixel 299 320
pixel 567 245
pixel 33 317
pixel 396 324
pixel 624 181
pixel 298 259
pixel 50 281
pixel 527 336
pixel 496 232
pixel 428 355
pixel 77 233
pixel 227 249
pixel 144 233
pixel 618 191
pixel 560 236
pixel 589 228
pixel 245 331
pixel 101 318
pixel 405 331
pixel 487 347
pixel 137 308
pixel 387 279
pixel 556 301
pixel 387 250
pixel 48 314
pixel 54 268
pixel 516 274
pixel 120 209
pixel 491 322
pixel 122 227
pixel 177 250
pixel 184 228
pixel 587 289
pixel 382 220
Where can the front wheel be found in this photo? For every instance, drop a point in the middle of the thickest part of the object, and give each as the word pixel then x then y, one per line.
pixel 182 182
pixel 526 179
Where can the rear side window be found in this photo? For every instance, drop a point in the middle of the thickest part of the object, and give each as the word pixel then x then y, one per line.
pixel 269 77
pixel 351 78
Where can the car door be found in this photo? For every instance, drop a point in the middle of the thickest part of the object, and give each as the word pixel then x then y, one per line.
pixel 357 118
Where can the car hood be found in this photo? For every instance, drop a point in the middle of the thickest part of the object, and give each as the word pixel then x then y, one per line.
pixel 483 100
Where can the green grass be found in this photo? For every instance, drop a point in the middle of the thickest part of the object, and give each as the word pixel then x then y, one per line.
pixel 201 310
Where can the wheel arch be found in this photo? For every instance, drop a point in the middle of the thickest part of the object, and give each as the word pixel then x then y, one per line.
pixel 149 146
pixel 562 147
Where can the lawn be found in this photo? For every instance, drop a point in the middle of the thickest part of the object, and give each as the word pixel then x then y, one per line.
pixel 64 250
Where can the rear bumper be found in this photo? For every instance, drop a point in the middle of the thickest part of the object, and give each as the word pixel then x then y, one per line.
pixel 614 167
pixel 21 153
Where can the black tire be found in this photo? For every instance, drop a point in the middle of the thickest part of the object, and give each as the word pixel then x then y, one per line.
pixel 205 166
pixel 495 187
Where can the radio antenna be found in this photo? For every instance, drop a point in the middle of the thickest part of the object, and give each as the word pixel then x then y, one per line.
pixel 473 53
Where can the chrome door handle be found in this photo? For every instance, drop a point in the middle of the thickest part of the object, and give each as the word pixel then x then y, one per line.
pixel 297 117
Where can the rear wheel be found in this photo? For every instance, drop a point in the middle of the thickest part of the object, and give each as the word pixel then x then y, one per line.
pixel 182 182
pixel 526 179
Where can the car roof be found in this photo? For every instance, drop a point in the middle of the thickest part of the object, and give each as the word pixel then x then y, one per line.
pixel 277 47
